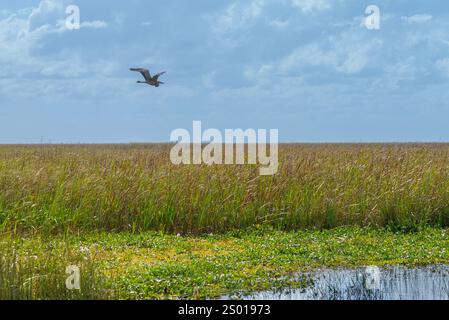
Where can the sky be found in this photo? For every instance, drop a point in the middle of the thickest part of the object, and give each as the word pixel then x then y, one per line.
pixel 309 68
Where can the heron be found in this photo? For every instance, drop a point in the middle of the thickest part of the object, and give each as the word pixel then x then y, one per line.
pixel 150 80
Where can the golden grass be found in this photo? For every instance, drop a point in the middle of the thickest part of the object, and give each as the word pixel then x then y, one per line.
pixel 135 187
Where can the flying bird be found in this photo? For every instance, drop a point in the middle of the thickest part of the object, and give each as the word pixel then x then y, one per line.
pixel 150 80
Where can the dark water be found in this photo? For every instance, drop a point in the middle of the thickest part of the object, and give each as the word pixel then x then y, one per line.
pixel 372 283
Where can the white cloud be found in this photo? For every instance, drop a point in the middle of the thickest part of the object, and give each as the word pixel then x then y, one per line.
pixel 436 36
pixel 345 53
pixel 257 73
pixel 47 13
pixel 310 5
pixel 23 32
pixel 279 23
pixel 312 55
pixel 232 25
pixel 418 18
pixel 443 66
pixel 240 15
pixel 96 24
pixel 394 74
pixel 27 63
pixel 237 16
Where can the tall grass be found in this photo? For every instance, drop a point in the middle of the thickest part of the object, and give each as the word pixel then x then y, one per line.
pixel 30 273
pixel 136 188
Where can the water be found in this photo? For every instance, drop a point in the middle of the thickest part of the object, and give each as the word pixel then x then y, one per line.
pixel 392 283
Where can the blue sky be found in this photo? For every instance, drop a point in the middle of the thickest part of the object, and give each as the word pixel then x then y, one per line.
pixel 306 67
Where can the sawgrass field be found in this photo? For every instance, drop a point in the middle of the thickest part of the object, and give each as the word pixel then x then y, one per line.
pixel 140 227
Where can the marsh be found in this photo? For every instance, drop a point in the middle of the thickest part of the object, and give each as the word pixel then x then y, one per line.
pixel 395 283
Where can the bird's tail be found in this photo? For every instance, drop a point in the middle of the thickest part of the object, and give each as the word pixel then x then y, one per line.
pixel 133 69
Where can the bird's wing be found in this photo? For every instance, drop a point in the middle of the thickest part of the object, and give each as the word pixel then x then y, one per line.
pixel 145 73
pixel 156 76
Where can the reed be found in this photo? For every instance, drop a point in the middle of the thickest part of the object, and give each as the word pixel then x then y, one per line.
pixel 37 271
pixel 70 188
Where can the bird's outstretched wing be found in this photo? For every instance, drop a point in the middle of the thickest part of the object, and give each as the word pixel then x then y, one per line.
pixel 156 76
pixel 145 73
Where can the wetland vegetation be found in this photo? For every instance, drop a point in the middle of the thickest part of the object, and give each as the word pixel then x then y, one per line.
pixel 141 228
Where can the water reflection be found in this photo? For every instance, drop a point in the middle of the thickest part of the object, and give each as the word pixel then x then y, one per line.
pixel 393 283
